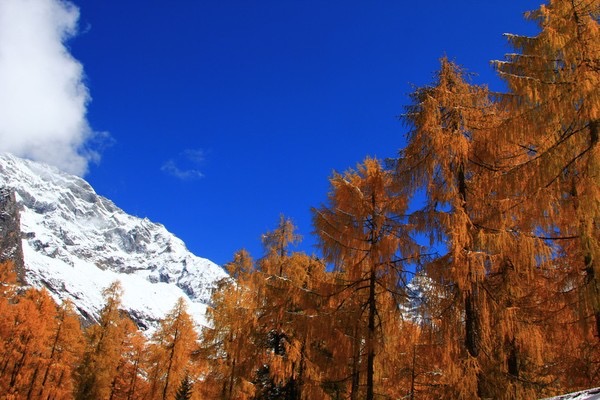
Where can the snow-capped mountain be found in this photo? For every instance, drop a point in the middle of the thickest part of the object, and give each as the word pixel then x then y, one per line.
pixel 76 243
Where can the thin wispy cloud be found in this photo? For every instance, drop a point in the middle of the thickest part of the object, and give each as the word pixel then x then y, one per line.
pixel 194 155
pixel 43 96
pixel 186 165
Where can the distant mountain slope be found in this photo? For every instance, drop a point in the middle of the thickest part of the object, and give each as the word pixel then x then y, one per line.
pixel 75 243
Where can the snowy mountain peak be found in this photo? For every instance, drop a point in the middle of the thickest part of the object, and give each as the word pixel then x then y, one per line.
pixel 76 243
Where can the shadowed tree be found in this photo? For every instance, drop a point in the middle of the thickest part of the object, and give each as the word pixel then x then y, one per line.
pixel 185 389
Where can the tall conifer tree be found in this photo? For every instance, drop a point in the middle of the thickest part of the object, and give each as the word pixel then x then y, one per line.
pixel 170 352
pixel 104 351
pixel 362 231
pixel 229 343
pixel 554 105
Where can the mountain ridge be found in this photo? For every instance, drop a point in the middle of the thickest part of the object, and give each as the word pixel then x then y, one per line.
pixel 76 242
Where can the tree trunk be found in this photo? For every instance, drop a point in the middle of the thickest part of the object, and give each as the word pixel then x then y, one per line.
pixel 301 369
pixel 355 364
pixel 32 383
pixel 131 390
pixel 371 337
pixel 52 352
pixel 513 359
pixel 413 373
pixel 18 365
pixel 588 258
pixel 171 356
pixel 471 323
pixel 231 380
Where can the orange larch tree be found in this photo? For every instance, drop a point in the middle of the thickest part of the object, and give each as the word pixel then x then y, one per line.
pixel 228 346
pixel 554 105
pixel 65 349
pixel 362 230
pixel 453 159
pixel 170 352
pixel 26 343
pixel 104 351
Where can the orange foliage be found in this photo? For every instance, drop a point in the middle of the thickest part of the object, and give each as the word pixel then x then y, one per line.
pixel 505 304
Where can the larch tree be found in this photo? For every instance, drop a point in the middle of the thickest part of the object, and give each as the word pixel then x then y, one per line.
pixel 104 351
pixel 229 343
pixel 299 321
pixel 363 232
pixel 443 118
pixel 170 352
pixel 133 382
pixel 296 326
pixel 554 105
pixel 266 335
pixel 8 281
pixel 241 266
pixel 277 243
pixel 125 383
pixel 40 343
pixel 26 343
pixel 453 160
pixel 65 349
pixel 275 375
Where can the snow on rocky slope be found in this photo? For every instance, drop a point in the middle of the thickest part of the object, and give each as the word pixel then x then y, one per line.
pixel 590 394
pixel 76 243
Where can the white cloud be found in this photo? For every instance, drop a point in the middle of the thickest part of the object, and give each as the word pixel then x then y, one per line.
pixel 191 158
pixel 194 155
pixel 43 97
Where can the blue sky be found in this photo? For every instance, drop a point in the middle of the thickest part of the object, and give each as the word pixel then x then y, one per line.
pixel 221 115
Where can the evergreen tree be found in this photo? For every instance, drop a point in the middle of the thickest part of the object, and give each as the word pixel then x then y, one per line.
pixel 185 389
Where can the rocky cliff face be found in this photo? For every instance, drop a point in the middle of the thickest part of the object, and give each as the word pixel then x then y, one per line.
pixel 10 232
pixel 76 243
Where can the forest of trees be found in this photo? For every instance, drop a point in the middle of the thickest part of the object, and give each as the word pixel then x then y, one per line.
pixel 465 268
